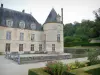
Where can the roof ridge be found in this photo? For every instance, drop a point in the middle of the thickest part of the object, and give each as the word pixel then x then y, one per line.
pixel 17 11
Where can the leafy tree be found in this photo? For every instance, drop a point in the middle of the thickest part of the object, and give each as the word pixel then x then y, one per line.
pixel 69 30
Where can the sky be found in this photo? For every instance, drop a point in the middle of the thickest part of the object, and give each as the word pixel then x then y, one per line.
pixel 73 10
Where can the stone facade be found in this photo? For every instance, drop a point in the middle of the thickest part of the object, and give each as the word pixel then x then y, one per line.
pixel 47 37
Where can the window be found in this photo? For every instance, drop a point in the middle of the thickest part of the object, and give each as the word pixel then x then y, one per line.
pixel 40 47
pixel 7 49
pixel 21 36
pixel 8 35
pixel 58 18
pixel 53 47
pixel 33 26
pixel 58 37
pixel 9 23
pixel 22 24
pixel 32 37
pixel 32 47
pixel 20 47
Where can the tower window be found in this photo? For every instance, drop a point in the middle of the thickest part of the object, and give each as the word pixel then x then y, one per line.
pixel 58 37
pixel 40 47
pixel 53 47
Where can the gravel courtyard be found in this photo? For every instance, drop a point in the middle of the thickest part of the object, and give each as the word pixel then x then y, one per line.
pixel 9 67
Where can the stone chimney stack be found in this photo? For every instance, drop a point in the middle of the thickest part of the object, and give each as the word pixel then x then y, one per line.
pixel 23 11
pixel 62 15
pixel 1 5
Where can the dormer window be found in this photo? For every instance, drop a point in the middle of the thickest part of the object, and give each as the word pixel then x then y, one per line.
pixel 22 24
pixel 9 22
pixel 33 26
pixel 58 18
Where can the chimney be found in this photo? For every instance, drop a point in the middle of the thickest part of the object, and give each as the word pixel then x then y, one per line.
pixel 62 15
pixel 1 5
pixel 23 11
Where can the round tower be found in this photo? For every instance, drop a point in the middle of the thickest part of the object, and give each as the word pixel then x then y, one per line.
pixel 53 32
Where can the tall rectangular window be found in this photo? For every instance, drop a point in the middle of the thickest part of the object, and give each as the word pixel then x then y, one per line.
pixel 21 36
pixel 53 47
pixel 32 47
pixel 58 37
pixel 32 37
pixel 7 49
pixel 8 35
pixel 20 47
pixel 40 47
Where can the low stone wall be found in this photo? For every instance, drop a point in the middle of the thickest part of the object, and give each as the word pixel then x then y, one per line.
pixel 33 58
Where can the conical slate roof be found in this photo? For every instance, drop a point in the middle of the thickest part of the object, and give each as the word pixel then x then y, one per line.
pixel 52 17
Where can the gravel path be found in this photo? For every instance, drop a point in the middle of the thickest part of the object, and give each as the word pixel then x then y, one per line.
pixel 9 67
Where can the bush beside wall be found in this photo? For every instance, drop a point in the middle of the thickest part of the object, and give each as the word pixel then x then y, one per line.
pixel 38 71
pixel 84 71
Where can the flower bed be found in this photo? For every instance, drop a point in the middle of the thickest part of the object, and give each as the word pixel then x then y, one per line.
pixel 56 68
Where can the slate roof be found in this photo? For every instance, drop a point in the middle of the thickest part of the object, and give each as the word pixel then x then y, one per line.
pixel 17 16
pixel 52 17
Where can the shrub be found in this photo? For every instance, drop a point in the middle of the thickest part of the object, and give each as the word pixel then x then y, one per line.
pixel 55 68
pixel 90 44
pixel 76 65
pixel 37 71
pixel 0 53
pixel 93 56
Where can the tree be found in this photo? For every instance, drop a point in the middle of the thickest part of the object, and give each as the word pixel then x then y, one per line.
pixel 69 29
pixel 97 22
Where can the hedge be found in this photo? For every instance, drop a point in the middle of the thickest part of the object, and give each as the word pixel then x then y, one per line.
pixel 85 70
pixel 70 44
pixel 90 44
pixel 94 71
pixel 40 71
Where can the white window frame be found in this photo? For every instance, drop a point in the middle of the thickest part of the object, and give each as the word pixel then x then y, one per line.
pixel 32 47
pixel 21 36
pixel 40 47
pixel 33 26
pixel 8 35
pixel 58 37
pixel 32 37
pixel 22 24
pixel 9 22
pixel 53 47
